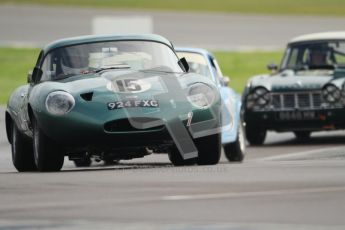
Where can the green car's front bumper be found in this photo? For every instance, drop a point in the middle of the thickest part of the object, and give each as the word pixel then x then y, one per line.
pixel 110 130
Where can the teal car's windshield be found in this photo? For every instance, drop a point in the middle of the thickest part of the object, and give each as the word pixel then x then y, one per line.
pixel 325 55
pixel 94 57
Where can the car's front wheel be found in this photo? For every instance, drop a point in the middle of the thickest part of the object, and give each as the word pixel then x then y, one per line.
pixel 209 149
pixel 85 161
pixel 176 158
pixel 209 152
pixel 235 151
pixel 48 155
pixel 22 152
pixel 255 135
pixel 302 136
pixel 110 162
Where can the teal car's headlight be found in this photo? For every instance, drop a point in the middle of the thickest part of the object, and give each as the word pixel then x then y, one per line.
pixel 59 103
pixel 258 98
pixel 201 95
pixel 331 94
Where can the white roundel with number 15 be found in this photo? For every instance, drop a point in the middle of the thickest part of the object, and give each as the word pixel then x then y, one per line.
pixel 128 86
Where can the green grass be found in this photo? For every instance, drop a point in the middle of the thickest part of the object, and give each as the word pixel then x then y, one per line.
pixel 240 66
pixel 15 64
pixel 302 7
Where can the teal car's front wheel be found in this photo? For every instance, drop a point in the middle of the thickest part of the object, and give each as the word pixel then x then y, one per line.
pixel 22 153
pixel 48 155
pixel 177 160
pixel 209 149
pixel 209 152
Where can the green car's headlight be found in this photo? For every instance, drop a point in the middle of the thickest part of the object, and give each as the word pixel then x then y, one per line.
pixel 201 95
pixel 259 98
pixel 59 103
pixel 331 94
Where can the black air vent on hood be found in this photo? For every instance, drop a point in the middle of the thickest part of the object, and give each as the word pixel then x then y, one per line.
pixel 87 96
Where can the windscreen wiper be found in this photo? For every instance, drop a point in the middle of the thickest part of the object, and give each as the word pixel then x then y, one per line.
pixel 112 67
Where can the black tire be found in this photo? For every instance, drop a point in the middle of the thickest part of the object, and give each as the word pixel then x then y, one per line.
pixel 48 155
pixel 209 149
pixel 302 136
pixel 255 135
pixel 235 151
pixel 22 152
pixel 83 162
pixel 177 160
pixel 109 162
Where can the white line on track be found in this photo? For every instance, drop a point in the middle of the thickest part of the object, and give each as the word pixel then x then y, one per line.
pixel 301 154
pixel 251 194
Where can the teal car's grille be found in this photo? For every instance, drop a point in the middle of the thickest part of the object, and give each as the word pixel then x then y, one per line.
pixel 309 100
pixel 124 125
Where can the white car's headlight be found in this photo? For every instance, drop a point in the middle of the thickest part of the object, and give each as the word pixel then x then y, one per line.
pixel 343 94
pixel 331 94
pixel 201 95
pixel 59 103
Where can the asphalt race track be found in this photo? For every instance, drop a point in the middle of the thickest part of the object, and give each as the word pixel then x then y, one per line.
pixel 36 25
pixel 282 185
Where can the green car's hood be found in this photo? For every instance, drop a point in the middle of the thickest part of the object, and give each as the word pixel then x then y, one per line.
pixel 101 83
pixel 291 81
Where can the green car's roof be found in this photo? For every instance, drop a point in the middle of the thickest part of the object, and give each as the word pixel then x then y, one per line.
pixel 104 38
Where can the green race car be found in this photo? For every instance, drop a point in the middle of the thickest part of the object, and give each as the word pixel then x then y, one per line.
pixel 305 94
pixel 112 97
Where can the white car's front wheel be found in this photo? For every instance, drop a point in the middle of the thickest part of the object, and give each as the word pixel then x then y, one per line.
pixel 235 151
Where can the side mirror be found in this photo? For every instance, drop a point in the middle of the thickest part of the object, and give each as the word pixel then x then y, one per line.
pixel 29 77
pixel 272 67
pixel 36 75
pixel 225 80
pixel 184 64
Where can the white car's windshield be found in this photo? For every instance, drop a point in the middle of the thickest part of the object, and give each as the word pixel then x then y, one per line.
pixel 94 57
pixel 325 55
pixel 197 63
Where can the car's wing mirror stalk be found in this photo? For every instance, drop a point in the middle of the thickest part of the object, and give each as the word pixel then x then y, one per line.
pixel 184 64
pixel 272 67
pixel 225 80
pixel 36 75
pixel 29 78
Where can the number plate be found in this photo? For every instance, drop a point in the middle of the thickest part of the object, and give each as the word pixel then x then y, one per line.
pixel 297 115
pixel 133 104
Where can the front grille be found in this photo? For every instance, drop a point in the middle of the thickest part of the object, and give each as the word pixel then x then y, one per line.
pixel 124 125
pixel 303 100
pixel 289 101
pixel 317 99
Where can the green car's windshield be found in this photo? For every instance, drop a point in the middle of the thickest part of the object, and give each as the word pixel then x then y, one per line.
pixel 325 55
pixel 95 57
